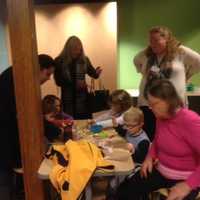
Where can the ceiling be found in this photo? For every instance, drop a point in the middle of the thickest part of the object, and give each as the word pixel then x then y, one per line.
pixel 68 1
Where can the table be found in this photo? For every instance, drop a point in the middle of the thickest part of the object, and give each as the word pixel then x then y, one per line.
pixel 121 167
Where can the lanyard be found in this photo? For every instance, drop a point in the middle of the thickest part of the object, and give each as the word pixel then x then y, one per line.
pixel 159 63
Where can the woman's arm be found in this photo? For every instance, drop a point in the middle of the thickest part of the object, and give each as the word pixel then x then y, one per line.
pixel 109 122
pixel 192 136
pixel 91 71
pixel 107 114
pixel 152 151
pixel 140 61
pixel 191 61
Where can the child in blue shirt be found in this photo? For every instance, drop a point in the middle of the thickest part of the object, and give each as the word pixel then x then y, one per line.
pixel 137 140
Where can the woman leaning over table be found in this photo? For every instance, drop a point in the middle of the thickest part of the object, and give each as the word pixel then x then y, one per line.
pixel 173 160
pixel 165 57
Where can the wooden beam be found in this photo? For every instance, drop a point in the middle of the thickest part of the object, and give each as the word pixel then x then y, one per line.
pixel 26 77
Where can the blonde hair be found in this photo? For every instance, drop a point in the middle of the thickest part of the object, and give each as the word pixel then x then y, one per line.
pixel 122 98
pixel 134 115
pixel 66 51
pixel 172 43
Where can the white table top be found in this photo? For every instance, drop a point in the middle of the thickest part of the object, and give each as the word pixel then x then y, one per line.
pixel 121 168
pixel 45 169
pixel 193 93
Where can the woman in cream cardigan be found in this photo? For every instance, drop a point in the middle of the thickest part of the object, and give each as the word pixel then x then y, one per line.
pixel 166 58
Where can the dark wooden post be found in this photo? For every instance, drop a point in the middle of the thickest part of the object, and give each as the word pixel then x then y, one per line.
pixel 26 77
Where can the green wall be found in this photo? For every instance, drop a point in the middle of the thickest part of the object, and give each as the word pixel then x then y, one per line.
pixel 136 17
pixel 3 49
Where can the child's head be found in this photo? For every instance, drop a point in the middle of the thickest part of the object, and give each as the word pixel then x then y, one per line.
pixel 51 104
pixel 133 120
pixel 120 101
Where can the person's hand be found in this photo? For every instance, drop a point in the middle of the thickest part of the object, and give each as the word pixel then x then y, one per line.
pixel 67 122
pixel 131 148
pixel 147 167
pixel 90 122
pixel 49 117
pixel 81 85
pixel 98 70
pixel 179 191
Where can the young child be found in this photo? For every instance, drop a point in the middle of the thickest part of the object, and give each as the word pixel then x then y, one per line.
pixel 58 125
pixel 120 101
pixel 138 141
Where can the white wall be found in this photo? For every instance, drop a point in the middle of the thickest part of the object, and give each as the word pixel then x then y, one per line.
pixel 95 24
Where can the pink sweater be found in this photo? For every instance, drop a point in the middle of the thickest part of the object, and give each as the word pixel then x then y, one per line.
pixel 177 144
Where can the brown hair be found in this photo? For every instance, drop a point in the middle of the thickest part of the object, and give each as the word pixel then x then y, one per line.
pixel 134 115
pixel 48 104
pixel 46 61
pixel 172 43
pixel 164 90
pixel 122 98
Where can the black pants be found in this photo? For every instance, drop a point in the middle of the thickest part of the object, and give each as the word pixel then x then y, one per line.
pixel 79 116
pixel 6 186
pixel 149 122
pixel 136 187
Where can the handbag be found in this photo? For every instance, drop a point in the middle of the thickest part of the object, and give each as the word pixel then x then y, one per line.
pixel 97 98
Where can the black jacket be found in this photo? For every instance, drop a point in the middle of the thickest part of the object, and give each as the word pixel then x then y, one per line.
pixel 9 142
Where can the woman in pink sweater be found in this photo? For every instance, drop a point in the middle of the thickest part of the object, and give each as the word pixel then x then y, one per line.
pixel 173 160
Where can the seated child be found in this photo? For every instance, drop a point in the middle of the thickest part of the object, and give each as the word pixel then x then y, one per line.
pixel 138 141
pixel 58 125
pixel 120 101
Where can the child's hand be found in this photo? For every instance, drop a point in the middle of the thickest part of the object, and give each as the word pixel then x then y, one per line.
pixel 131 148
pixel 91 122
pixel 49 117
pixel 114 122
pixel 67 122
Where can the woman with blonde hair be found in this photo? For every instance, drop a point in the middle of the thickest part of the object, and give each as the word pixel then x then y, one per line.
pixel 71 67
pixel 164 58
